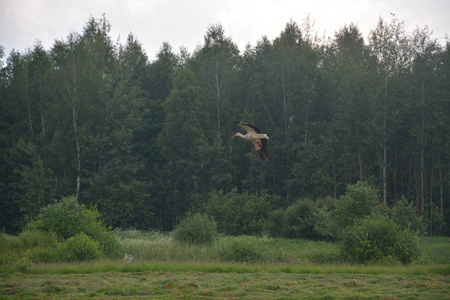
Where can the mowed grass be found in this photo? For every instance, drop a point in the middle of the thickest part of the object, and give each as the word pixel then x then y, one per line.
pixel 198 285
pixel 280 269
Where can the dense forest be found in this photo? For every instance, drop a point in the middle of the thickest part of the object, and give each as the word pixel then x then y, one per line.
pixel 147 141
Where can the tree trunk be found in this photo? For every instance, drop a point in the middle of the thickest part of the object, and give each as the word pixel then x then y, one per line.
pixel 422 155
pixel 77 142
pixel 441 190
pixel 384 163
pixel 360 163
pixel 219 96
pixel 283 88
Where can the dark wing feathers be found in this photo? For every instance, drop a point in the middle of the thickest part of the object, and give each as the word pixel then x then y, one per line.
pixel 248 127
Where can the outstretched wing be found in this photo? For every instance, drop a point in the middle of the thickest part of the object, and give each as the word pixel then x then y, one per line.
pixel 248 127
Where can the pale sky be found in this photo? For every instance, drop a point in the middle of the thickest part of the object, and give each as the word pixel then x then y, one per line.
pixel 185 22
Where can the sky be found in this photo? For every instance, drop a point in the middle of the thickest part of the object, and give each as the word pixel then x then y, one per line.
pixel 185 22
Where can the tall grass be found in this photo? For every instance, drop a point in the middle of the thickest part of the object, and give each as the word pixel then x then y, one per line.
pixel 155 246
pixel 155 251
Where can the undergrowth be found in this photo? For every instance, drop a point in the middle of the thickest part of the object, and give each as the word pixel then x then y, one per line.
pixel 155 251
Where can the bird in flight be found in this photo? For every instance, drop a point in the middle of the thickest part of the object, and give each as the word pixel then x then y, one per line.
pixel 258 139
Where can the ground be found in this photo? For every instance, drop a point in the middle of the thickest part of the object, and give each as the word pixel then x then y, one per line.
pixel 194 285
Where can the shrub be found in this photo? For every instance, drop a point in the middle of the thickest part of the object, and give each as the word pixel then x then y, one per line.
pixel 238 214
pixel 276 223
pixel 23 264
pixel 404 215
pixel 323 225
pixel 67 218
pixel 80 247
pixel 359 201
pixel 8 242
pixel 376 237
pixel 10 248
pixel 242 249
pixel 300 219
pixel 37 238
pixel 196 229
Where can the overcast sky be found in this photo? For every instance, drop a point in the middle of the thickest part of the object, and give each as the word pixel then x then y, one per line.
pixel 184 22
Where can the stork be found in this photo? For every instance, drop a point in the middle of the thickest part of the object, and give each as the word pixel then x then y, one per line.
pixel 258 139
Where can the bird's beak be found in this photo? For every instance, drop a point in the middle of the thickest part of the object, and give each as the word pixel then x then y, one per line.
pixel 233 137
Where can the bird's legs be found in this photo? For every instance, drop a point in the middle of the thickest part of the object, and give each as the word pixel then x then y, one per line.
pixel 258 147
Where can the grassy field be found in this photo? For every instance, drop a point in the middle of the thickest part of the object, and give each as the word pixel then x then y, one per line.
pixel 192 285
pixel 272 268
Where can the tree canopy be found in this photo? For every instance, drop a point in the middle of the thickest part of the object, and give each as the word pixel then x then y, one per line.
pixel 146 141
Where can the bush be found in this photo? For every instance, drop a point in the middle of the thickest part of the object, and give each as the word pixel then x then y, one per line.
pixel 359 201
pixel 300 219
pixel 404 215
pixel 196 229
pixel 8 242
pixel 242 249
pixel 303 219
pixel 67 218
pixel 276 223
pixel 10 248
pixel 376 237
pixel 238 214
pixel 80 247
pixel 37 238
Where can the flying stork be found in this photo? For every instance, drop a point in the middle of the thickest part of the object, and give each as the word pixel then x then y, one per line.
pixel 258 139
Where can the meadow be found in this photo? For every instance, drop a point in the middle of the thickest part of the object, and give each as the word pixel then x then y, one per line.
pixel 232 267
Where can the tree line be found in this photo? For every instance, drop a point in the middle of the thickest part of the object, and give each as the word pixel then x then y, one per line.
pixel 147 141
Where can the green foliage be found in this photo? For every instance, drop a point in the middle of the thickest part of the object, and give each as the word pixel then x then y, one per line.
pixel 67 218
pixel 8 242
pixel 80 247
pixel 434 220
pixel 128 206
pixel 323 222
pixel 37 185
pixel 405 216
pixel 376 237
pixel 296 221
pixel 35 246
pixel 303 219
pixel 238 214
pixel 11 248
pixel 37 238
pixel 145 141
pixel 300 219
pixel 242 249
pixel 435 250
pixel 196 229
pixel 359 201
pixel 276 223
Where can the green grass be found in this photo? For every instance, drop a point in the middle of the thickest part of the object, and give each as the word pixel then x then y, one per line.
pixel 200 285
pixel 284 269
pixel 101 266
pixel 435 250
pixel 160 247
pixel 157 247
